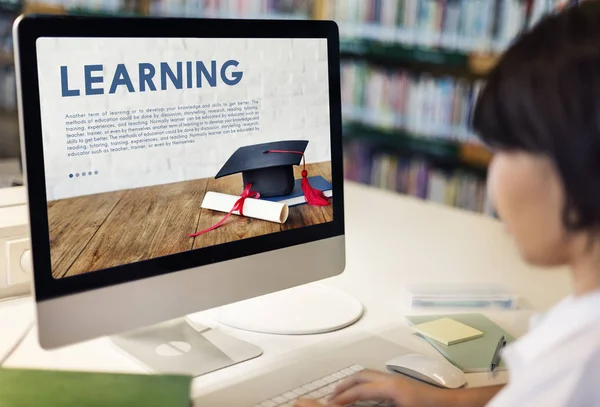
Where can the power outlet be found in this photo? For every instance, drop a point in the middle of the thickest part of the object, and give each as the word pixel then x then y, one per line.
pixel 19 261
pixel 15 252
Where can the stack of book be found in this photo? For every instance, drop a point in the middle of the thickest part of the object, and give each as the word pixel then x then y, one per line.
pixel 416 177
pixel 261 9
pixel 420 104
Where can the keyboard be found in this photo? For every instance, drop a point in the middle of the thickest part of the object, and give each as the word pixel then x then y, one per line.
pixel 320 389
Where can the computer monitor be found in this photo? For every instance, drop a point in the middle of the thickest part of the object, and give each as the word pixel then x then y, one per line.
pixel 141 135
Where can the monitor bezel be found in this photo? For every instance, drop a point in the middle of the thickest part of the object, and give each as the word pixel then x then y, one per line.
pixel 31 27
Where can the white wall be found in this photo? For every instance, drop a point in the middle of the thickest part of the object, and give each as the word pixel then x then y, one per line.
pixel 288 76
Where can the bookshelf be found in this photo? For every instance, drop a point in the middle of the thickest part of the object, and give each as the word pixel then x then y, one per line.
pixel 435 54
pixel 411 72
pixel 460 154
pixel 473 64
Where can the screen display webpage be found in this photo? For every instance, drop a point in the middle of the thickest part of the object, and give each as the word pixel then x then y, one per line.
pixel 156 146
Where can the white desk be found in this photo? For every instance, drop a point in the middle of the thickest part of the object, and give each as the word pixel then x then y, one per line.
pixel 391 240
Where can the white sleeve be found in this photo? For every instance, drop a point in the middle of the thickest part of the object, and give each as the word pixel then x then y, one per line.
pixel 587 391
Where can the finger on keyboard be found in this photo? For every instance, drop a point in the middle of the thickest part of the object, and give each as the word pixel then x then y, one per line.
pixel 307 403
pixel 315 393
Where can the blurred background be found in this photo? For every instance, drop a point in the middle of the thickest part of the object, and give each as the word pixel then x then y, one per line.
pixel 411 71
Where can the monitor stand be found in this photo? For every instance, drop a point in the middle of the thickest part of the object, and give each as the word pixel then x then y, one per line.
pixel 303 310
pixel 184 347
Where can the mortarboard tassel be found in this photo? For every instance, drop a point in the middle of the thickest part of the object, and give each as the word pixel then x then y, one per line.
pixel 313 196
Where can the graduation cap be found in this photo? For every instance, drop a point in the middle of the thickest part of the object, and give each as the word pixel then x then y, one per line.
pixel 268 168
pixel 270 174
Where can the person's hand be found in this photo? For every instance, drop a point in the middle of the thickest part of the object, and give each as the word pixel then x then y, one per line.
pixel 371 385
pixel 308 403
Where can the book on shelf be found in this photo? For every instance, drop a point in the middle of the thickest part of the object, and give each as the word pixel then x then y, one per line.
pixel 421 104
pixel 8 89
pixel 104 6
pixel 464 25
pixel 8 86
pixel 261 9
pixel 192 8
pixel 416 177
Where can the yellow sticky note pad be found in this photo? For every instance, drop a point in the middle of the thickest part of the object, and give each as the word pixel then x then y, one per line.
pixel 447 331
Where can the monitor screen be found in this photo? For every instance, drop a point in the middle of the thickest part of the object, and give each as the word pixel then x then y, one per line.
pixel 150 143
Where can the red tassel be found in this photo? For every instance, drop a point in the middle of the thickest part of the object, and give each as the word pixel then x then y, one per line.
pixel 311 195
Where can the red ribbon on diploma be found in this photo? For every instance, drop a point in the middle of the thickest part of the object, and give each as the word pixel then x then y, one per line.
pixel 238 206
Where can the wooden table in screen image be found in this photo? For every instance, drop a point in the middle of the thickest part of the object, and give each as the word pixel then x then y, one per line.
pixel 104 230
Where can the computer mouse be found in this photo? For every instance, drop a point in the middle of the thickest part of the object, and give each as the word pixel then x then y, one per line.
pixel 428 369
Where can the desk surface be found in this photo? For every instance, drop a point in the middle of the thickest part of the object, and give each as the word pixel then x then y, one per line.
pixel 126 226
pixel 391 240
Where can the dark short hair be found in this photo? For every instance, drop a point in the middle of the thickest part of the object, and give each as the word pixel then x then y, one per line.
pixel 543 97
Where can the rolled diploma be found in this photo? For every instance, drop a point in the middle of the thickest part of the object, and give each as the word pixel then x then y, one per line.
pixel 253 208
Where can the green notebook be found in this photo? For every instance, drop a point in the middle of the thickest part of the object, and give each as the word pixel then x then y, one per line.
pixel 25 388
pixel 474 355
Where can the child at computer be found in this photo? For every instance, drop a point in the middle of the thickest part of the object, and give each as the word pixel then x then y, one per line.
pixel 540 113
